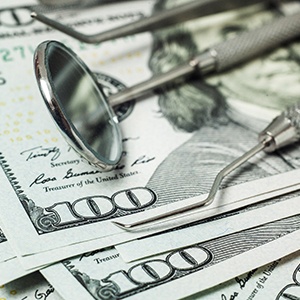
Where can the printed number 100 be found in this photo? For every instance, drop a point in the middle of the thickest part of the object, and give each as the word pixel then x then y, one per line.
pixel 97 207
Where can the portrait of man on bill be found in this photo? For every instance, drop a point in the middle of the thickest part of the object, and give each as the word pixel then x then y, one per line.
pixel 212 109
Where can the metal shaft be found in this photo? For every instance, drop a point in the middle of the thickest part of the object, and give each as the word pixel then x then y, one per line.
pixel 157 81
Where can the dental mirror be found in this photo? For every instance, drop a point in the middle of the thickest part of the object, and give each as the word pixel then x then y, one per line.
pixel 78 105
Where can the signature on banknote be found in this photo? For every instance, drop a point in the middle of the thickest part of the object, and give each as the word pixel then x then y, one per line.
pixel 41 152
pixel 44 295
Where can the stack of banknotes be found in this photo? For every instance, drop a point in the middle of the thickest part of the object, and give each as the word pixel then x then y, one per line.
pixel 57 237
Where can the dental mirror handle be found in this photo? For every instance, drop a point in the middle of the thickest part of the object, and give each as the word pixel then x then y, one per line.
pixel 223 56
pixel 282 131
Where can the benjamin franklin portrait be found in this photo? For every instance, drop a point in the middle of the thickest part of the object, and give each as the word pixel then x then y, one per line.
pixel 213 108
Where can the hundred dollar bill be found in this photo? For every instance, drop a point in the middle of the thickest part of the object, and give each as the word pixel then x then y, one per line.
pixel 103 274
pixel 278 280
pixel 57 199
pixel 243 195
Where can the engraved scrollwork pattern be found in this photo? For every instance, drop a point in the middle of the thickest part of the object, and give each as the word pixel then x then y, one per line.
pixel 43 222
pixel 93 286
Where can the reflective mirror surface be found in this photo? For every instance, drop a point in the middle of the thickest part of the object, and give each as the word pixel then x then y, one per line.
pixel 78 105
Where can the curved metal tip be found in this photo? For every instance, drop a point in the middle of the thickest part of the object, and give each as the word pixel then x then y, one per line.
pixel 180 211
pixel 122 226
pixel 65 29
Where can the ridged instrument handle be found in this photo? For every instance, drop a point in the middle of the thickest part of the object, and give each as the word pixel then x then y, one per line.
pixel 250 44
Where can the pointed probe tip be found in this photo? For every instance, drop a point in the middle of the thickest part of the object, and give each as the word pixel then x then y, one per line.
pixel 121 225
pixel 33 14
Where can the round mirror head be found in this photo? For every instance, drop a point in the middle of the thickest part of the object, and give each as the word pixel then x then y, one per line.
pixel 78 105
